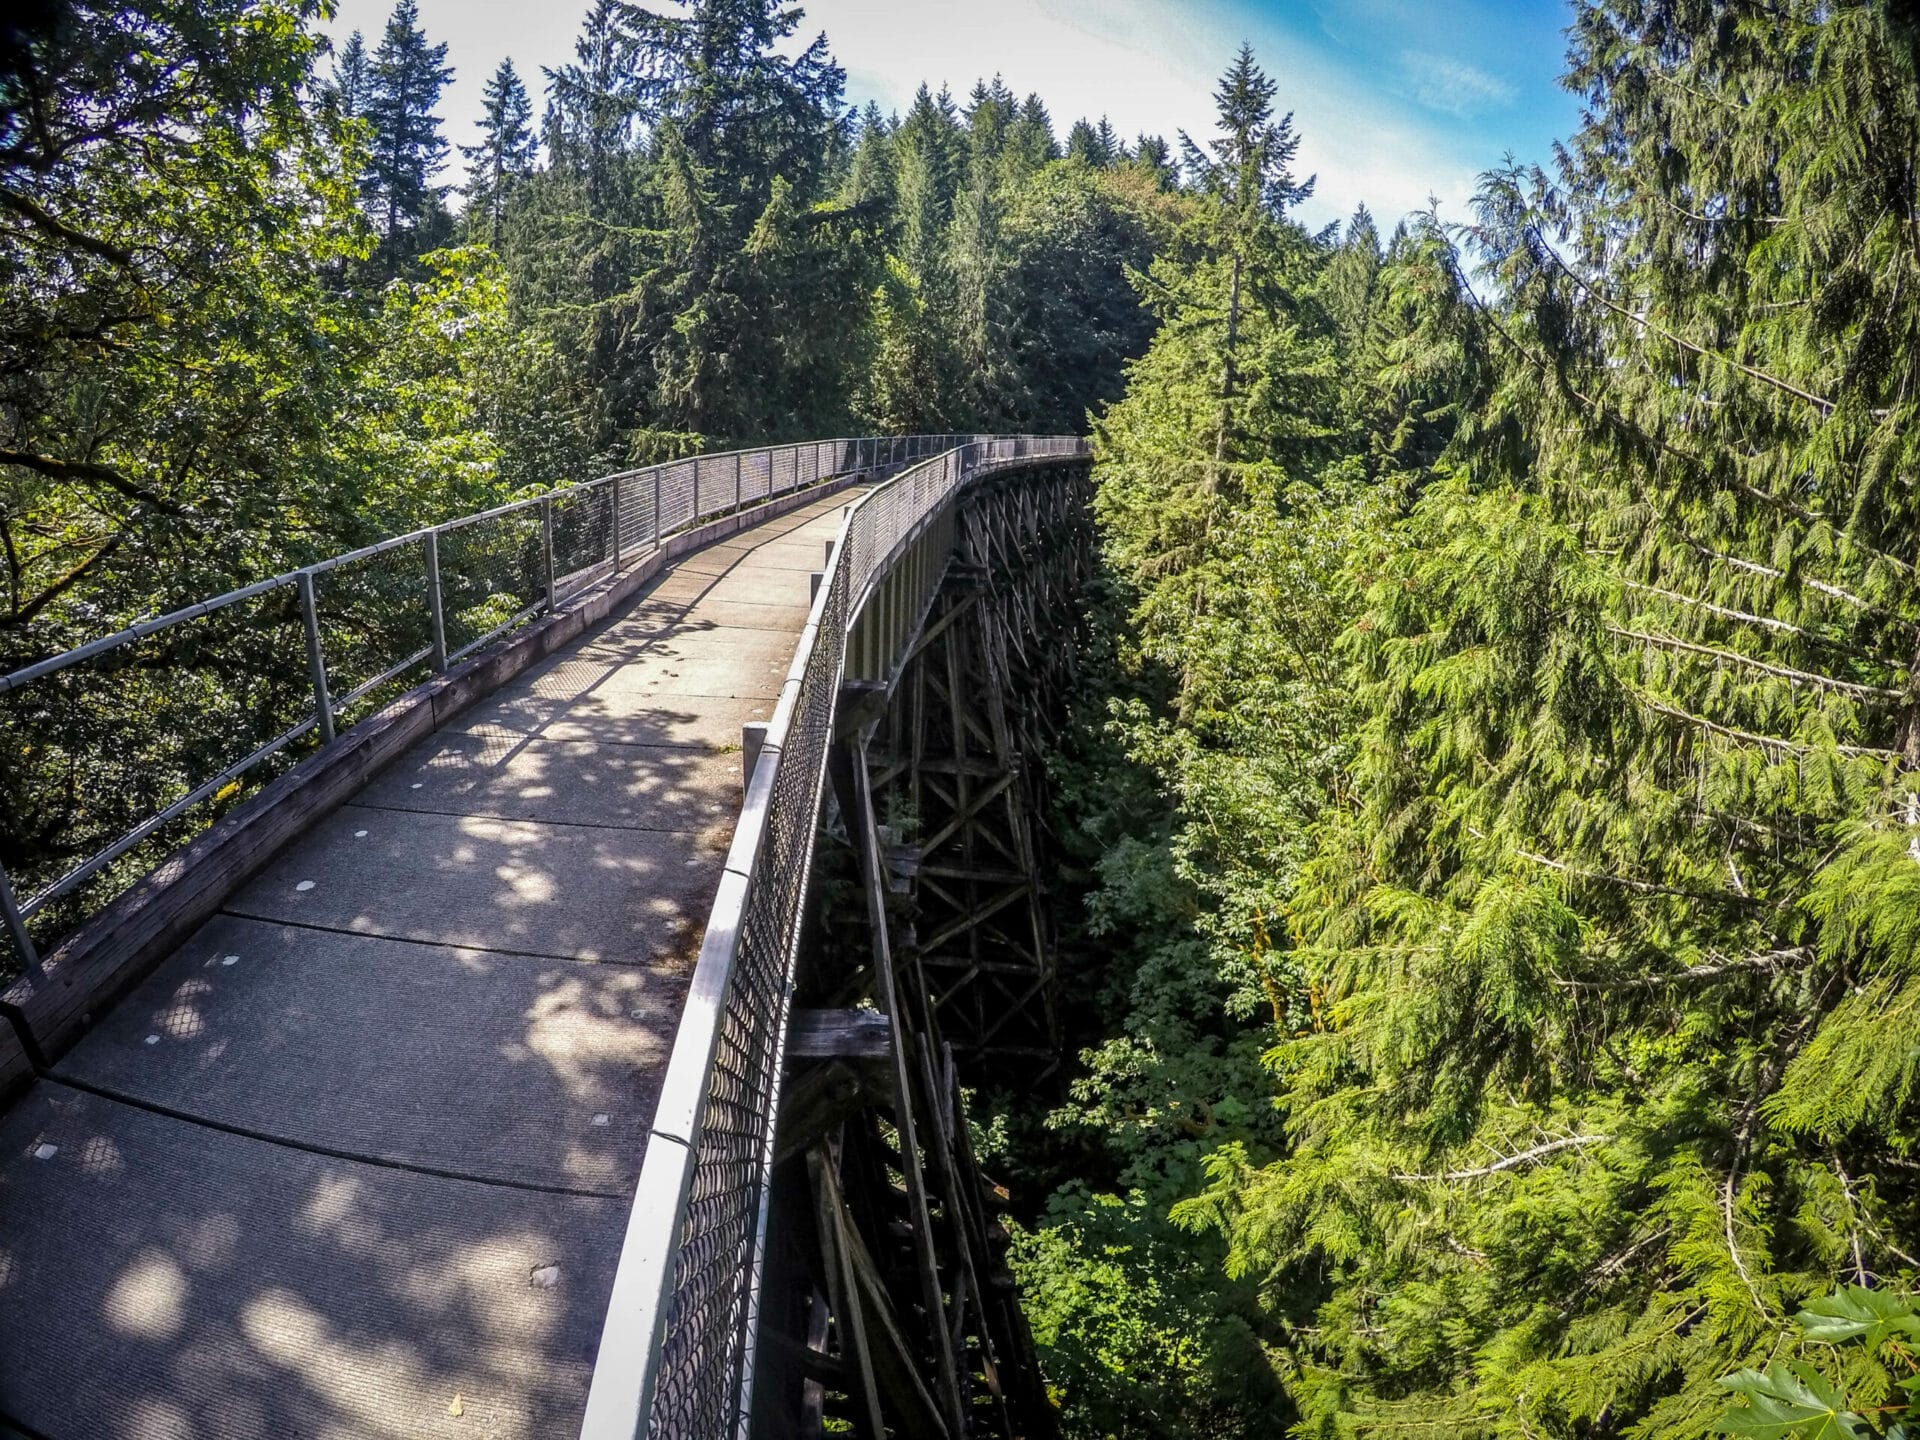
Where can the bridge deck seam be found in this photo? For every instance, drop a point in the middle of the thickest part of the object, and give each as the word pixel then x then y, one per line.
pixel 669 970
pixel 523 820
pixel 330 1151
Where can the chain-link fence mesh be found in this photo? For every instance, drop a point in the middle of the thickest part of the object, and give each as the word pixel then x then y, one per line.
pixel 493 573
pixel 582 537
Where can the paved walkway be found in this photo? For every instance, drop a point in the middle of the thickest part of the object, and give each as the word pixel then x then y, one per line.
pixel 354 1162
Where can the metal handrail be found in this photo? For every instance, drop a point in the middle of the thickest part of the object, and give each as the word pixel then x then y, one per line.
pixel 806 463
pixel 675 1355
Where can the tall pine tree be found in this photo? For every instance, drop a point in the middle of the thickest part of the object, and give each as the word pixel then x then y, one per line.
pixel 505 155
pixel 404 82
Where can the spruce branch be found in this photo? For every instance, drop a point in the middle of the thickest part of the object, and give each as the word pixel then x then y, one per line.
pixel 1766 622
pixel 1643 887
pixel 1824 405
pixel 1819 587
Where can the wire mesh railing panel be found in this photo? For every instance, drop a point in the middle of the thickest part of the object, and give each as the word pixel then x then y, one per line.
pixel 758 471
pixel 582 537
pixel 705 1338
pixel 706 486
pixel 753 481
pixel 99 752
pixel 375 626
pixel 630 501
pixel 781 463
pixel 677 505
pixel 493 572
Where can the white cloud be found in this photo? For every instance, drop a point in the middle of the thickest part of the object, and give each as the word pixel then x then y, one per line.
pixel 1452 86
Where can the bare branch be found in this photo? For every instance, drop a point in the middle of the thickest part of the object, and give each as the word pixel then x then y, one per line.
pixel 93 245
pixel 1801 677
pixel 1770 960
pixel 1513 1162
pixel 56 469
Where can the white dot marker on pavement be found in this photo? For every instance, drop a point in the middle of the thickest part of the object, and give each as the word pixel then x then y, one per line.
pixel 45 1152
pixel 153 1039
pixel 418 784
pixel 359 834
pixel 603 1120
pixel 544 1277
pixel 230 960
pixel 304 886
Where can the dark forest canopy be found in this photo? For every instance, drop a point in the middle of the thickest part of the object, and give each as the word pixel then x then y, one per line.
pixel 1491 891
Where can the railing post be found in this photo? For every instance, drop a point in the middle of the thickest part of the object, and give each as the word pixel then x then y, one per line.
pixel 616 524
pixel 736 479
pixel 753 739
pixel 656 507
pixel 316 660
pixel 435 605
pixel 546 544
pixel 17 925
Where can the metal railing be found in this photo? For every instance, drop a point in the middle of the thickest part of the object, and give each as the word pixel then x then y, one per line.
pixel 675 1357
pixel 245 675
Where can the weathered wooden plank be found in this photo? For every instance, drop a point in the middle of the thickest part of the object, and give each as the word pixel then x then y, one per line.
pixel 839 1035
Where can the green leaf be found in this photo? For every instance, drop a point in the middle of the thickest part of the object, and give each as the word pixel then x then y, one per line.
pixel 1855 1311
pixel 1789 1403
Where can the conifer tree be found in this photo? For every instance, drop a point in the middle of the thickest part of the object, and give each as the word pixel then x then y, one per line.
pixel 505 155
pixel 352 82
pixel 1030 140
pixel 1602 1063
pixel 592 105
pixel 405 79
pixel 926 150
pixel 870 173
pixel 746 111
pixel 1084 144
pixel 1154 158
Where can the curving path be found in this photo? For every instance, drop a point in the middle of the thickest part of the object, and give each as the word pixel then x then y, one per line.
pixel 354 1162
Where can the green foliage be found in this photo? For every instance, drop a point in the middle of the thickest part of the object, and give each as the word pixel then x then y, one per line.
pixel 1518 639
pixel 1859 1379
pixel 194 398
pixel 1136 1336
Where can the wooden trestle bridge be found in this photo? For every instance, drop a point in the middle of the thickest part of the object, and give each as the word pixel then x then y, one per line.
pixel 506 1067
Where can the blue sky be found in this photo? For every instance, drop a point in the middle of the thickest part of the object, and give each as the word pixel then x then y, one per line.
pixel 1394 100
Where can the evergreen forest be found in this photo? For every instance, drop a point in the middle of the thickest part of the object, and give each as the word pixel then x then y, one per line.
pixel 1489 827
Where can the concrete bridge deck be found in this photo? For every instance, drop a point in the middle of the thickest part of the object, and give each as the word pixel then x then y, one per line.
pixel 355 1161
